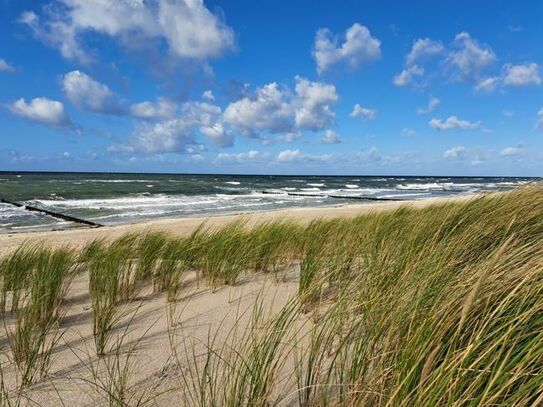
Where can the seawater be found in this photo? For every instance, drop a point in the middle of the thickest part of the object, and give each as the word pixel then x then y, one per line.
pixel 112 198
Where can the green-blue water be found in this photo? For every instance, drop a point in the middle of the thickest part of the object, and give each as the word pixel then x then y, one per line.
pixel 121 198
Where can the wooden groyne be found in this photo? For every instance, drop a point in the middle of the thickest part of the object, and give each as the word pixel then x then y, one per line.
pixel 54 214
pixel 359 198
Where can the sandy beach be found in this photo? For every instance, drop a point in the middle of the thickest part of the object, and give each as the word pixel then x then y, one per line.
pixel 165 352
pixel 181 226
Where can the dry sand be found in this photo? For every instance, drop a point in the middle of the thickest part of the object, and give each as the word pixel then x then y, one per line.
pixel 180 226
pixel 162 338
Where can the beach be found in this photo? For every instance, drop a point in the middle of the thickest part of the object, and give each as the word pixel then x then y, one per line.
pixel 267 310
pixel 79 236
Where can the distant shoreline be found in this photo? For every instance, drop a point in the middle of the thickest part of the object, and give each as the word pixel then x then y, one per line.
pixel 79 236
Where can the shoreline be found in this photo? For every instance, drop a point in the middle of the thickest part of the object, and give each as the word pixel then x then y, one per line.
pixel 79 236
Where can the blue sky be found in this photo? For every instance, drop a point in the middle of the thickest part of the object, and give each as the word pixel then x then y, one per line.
pixel 320 87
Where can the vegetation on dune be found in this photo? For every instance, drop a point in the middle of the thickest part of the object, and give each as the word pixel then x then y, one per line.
pixel 441 305
pixel 38 288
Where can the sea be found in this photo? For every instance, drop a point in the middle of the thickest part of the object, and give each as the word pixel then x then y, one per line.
pixel 115 198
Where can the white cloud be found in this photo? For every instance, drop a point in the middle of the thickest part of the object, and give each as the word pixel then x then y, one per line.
pixel 313 104
pixel 288 155
pixel 406 76
pixel 208 95
pixel 453 122
pixel 469 58
pixel 511 151
pixel 358 47
pixel 187 27
pixel 88 94
pixel 267 110
pixel 521 75
pixel 174 135
pixel 272 110
pixel 488 84
pixel 363 112
pixel 218 135
pixel 5 67
pixel 191 30
pixel 423 48
pixel 432 104
pixel 539 123
pixel 42 110
pixel 251 156
pixel 455 152
pixel 285 138
pixel 178 134
pixel 331 137
pixel 161 109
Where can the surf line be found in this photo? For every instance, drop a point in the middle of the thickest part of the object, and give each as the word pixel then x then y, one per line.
pixel 360 198
pixel 52 213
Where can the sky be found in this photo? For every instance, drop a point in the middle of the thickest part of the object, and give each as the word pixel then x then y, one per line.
pixel 272 87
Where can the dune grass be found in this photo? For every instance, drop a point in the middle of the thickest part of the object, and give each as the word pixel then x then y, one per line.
pixel 36 332
pixel 441 305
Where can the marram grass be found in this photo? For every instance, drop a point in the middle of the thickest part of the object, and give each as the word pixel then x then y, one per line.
pixel 441 305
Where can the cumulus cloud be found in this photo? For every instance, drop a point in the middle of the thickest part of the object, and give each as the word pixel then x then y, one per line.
pixel 423 48
pixel 252 156
pixel 270 114
pixel 406 76
pixel 178 135
pixel 88 94
pixel 174 135
pixel 488 84
pixel 455 152
pixel 5 67
pixel 187 27
pixel 469 58
pixel 274 110
pixel 42 110
pixel 313 104
pixel 266 110
pixel 208 95
pixel 161 109
pixel 288 155
pixel 356 48
pixel 432 104
pixel 521 75
pixel 526 74
pixel 363 112
pixel 453 122
pixel 218 135
pixel 464 60
pixel 511 151
pixel 331 137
